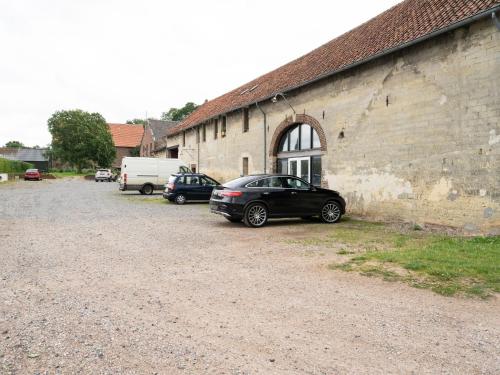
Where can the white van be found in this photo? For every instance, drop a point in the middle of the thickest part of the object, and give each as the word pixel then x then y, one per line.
pixel 148 174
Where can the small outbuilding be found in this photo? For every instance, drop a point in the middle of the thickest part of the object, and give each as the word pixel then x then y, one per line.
pixel 36 156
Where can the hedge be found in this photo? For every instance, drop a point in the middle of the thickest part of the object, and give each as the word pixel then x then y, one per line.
pixel 13 166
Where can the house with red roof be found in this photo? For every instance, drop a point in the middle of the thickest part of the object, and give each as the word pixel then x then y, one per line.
pixel 127 139
pixel 400 114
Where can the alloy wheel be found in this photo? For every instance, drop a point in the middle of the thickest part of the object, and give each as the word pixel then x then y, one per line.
pixel 256 215
pixel 180 199
pixel 331 212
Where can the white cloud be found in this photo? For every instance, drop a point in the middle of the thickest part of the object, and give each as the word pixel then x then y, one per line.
pixel 125 57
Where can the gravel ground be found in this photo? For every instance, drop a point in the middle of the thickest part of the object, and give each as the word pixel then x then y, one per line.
pixel 95 281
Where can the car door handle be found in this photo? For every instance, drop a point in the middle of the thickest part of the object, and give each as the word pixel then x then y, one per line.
pixel 265 193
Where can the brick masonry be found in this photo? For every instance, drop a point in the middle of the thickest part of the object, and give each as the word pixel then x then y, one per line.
pixel 420 133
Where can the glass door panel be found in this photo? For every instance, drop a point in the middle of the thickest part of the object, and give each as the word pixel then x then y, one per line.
pixel 300 167
pixel 304 169
pixel 292 167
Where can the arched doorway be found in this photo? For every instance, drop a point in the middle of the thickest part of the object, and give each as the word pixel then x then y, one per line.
pixel 297 148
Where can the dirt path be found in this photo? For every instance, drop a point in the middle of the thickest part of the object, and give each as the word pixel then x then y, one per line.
pixel 92 281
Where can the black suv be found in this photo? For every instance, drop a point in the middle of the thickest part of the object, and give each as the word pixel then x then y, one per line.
pixel 182 187
pixel 254 199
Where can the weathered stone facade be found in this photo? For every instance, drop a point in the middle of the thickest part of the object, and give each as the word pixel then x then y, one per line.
pixel 414 135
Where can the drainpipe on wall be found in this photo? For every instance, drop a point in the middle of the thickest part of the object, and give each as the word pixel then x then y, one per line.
pixel 495 20
pixel 265 136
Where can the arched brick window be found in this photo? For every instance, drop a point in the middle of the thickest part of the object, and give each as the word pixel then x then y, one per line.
pixel 297 147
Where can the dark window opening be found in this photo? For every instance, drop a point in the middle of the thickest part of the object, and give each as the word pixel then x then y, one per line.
pixel 223 127
pixel 204 132
pixel 245 166
pixel 245 120
pixel 183 139
pixel 216 128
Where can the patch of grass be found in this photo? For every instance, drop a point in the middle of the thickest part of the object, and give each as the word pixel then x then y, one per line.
pixel 446 265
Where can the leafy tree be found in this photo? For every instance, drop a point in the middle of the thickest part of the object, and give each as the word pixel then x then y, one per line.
pixel 16 144
pixel 81 139
pixel 179 114
pixel 137 121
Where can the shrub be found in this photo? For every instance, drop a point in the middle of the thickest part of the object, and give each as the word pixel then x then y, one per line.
pixel 13 166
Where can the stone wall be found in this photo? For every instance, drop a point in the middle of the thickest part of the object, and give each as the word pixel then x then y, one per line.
pixel 412 136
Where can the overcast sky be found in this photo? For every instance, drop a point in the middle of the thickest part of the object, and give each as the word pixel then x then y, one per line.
pixel 123 58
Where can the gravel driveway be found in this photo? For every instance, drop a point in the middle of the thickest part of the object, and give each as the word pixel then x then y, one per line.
pixel 95 281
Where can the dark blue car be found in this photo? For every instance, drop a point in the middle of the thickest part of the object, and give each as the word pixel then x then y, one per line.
pixel 183 187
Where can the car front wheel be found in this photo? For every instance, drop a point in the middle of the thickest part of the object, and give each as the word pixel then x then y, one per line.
pixel 330 212
pixel 255 215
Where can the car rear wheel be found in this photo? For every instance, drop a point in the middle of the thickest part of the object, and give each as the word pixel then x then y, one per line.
pixel 330 212
pixel 232 219
pixel 147 189
pixel 180 199
pixel 255 215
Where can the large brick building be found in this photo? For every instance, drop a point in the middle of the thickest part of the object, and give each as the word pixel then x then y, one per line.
pixel 127 138
pixel 401 115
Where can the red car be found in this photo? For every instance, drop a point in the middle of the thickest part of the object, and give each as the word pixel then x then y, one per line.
pixel 32 174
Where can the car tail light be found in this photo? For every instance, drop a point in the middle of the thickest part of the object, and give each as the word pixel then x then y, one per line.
pixel 231 193
pixel 125 178
pixel 171 186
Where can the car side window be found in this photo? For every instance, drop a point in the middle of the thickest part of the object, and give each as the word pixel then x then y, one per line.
pixel 208 181
pixel 191 180
pixel 295 183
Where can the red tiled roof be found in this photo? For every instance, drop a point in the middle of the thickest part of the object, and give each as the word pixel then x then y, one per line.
pixel 126 135
pixel 408 21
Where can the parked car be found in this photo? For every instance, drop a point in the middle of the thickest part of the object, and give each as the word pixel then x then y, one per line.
pixel 148 174
pixel 255 199
pixel 103 175
pixel 183 187
pixel 32 174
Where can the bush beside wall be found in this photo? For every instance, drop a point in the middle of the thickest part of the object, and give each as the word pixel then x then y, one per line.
pixel 12 166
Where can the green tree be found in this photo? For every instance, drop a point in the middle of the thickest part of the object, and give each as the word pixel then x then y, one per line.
pixel 179 114
pixel 137 121
pixel 16 144
pixel 81 139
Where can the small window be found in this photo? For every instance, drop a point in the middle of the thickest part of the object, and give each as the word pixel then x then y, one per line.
pixel 272 182
pixel 207 181
pixel 295 183
pixel 294 139
pixel 245 166
pixel 284 143
pixel 204 132
pixel 245 120
pixel 193 168
pixel 223 127
pixel 191 180
pixel 216 128
pixel 316 141
pixel 197 134
pixel 305 137
pixel 184 139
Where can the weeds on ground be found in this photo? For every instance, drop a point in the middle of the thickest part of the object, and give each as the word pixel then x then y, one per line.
pixel 446 265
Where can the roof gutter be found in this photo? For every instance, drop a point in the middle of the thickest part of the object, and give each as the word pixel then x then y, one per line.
pixel 453 26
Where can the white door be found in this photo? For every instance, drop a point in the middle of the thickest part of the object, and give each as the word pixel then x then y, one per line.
pixel 300 167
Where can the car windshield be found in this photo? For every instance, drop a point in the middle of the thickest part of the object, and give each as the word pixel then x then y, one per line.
pixel 239 182
pixel 103 170
pixel 32 170
pixel 171 179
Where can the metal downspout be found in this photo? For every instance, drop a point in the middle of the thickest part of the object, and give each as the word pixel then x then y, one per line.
pixel 265 136
pixel 496 21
